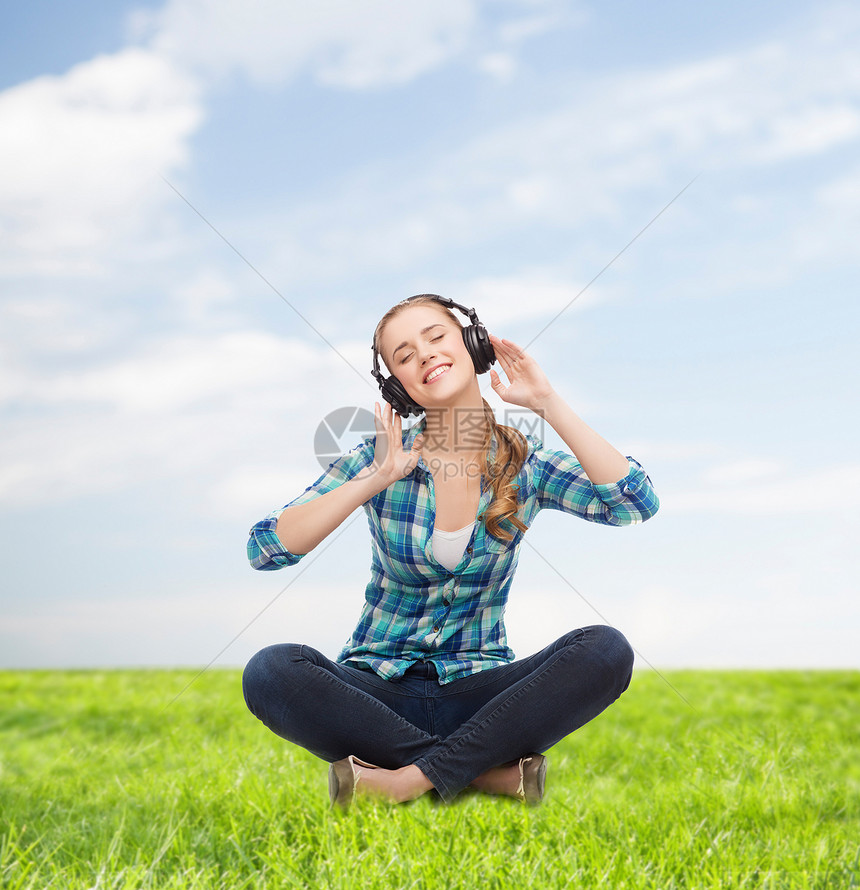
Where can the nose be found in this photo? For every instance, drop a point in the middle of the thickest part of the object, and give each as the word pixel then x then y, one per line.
pixel 427 357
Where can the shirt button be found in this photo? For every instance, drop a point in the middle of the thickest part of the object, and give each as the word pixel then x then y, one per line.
pixel 469 550
pixel 445 600
pixel 435 628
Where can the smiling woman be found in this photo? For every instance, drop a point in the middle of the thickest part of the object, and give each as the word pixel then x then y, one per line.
pixel 437 375
pixel 426 694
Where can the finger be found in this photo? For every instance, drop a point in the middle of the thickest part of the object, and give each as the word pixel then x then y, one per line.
pixel 506 361
pixel 499 348
pixel 506 351
pixel 498 342
pixel 517 351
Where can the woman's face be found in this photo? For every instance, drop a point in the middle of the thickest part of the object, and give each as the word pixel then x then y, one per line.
pixel 420 341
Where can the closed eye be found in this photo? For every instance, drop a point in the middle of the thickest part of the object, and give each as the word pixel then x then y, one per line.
pixel 403 361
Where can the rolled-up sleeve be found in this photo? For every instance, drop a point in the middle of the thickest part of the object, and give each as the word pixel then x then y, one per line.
pixel 563 485
pixel 266 551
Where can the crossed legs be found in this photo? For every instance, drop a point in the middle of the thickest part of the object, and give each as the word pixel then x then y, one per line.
pixel 420 734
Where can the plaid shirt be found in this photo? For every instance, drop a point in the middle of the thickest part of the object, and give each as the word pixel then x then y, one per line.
pixel 414 607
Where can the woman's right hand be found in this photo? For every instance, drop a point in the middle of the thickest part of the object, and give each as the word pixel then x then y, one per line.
pixel 390 461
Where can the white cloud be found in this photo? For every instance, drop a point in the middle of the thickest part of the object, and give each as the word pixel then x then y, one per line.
pixel 341 43
pixel 121 119
pixel 208 411
pixel 37 325
pixel 530 193
pixel 551 16
pixel 501 66
pixel 753 107
pixel 834 489
pixel 629 142
pixel 842 194
pixel 529 294
pixel 676 450
pixel 767 618
pixel 82 154
pixel 203 294
pixel 810 131
pixel 747 470
pixel 838 202
pixel 245 490
pixel 179 373
pixel 188 626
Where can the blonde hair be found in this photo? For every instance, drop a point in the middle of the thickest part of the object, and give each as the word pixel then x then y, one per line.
pixel 511 444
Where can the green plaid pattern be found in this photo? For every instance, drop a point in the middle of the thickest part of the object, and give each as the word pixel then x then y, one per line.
pixel 414 607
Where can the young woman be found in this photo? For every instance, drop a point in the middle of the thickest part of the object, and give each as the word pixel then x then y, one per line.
pixel 426 694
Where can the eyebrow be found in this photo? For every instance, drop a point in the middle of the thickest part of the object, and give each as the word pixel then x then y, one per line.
pixel 423 331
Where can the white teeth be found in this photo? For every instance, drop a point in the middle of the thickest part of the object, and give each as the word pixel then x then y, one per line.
pixel 437 372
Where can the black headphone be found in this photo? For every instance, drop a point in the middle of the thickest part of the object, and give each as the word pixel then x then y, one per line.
pixel 478 345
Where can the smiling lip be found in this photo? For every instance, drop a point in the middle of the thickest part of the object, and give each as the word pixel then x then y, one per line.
pixel 446 365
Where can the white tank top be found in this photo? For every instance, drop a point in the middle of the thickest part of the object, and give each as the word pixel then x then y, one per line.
pixel 448 547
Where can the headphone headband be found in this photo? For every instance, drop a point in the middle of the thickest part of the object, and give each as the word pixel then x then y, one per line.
pixel 477 342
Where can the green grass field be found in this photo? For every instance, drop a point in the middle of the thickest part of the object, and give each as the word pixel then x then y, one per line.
pixel 104 784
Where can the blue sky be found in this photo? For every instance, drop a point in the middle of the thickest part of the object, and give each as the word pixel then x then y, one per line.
pixel 157 397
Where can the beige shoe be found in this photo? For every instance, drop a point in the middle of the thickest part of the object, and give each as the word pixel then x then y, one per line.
pixel 532 778
pixel 343 780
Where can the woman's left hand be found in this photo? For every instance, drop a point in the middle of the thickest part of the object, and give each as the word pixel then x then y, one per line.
pixel 529 387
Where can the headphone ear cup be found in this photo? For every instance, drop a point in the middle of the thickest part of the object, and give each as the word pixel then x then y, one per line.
pixel 395 394
pixel 480 348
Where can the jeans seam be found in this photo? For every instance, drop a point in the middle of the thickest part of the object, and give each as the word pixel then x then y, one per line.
pixel 329 677
pixel 554 659
pixel 475 742
pixel 434 777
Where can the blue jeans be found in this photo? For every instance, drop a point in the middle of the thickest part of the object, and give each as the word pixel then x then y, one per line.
pixel 453 732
